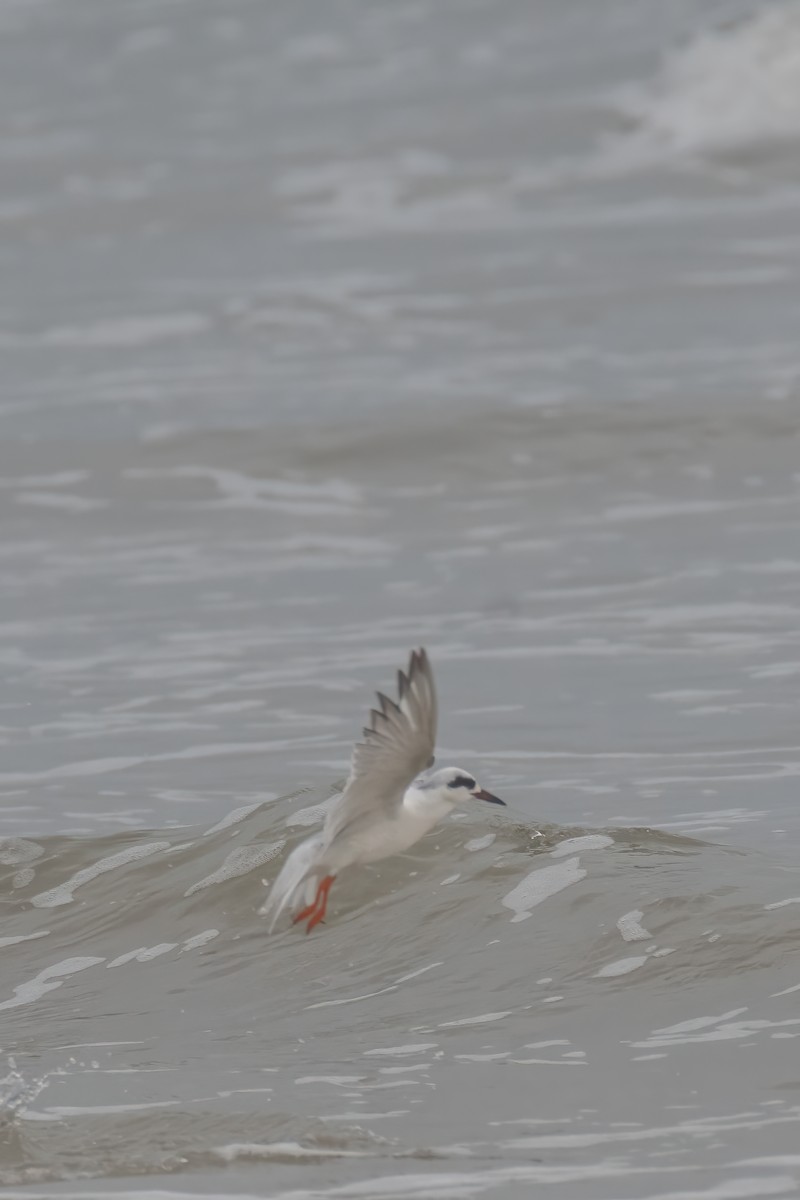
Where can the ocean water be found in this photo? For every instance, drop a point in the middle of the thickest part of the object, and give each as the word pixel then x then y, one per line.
pixel 329 330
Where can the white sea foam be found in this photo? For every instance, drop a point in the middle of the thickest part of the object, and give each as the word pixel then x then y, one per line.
pixel 199 939
pixel 239 862
pixel 540 885
pixel 483 1019
pixel 399 1051
pixel 590 841
pixel 233 818
pixel 64 892
pixel 313 815
pixel 480 843
pixel 623 966
pixel 23 937
pixel 630 927
pixel 14 851
pixel 716 1029
pixel 142 954
pixel 47 980
pixel 269 1150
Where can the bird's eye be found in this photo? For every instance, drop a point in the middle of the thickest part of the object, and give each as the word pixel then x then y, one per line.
pixel 462 781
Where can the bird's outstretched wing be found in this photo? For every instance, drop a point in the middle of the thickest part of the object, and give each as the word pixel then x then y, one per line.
pixel 398 744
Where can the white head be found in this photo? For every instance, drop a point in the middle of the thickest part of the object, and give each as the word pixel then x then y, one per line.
pixel 451 785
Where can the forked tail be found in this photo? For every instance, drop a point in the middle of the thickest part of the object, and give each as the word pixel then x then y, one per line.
pixel 297 880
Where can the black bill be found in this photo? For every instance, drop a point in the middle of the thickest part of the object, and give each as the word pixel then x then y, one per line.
pixel 483 795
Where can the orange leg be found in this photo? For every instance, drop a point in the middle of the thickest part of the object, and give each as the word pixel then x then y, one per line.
pixel 316 911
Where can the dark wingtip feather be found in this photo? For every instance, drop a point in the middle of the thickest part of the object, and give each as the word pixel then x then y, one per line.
pixel 418 661
pixel 404 679
pixel 387 705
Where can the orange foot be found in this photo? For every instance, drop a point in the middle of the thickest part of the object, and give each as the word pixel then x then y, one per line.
pixel 316 911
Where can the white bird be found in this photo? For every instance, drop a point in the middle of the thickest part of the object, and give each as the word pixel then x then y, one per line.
pixel 391 799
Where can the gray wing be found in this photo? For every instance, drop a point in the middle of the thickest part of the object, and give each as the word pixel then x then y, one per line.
pixel 398 744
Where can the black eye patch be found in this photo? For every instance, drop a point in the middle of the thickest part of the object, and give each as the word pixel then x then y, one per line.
pixel 462 781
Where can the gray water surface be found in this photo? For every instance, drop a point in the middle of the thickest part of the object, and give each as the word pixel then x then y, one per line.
pixel 329 331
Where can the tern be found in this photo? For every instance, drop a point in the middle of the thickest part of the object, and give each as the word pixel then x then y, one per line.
pixel 392 798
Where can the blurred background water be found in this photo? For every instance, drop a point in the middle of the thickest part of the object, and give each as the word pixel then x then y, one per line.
pixel 330 329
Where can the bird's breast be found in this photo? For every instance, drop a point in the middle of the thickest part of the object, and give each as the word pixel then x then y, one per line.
pixel 391 835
